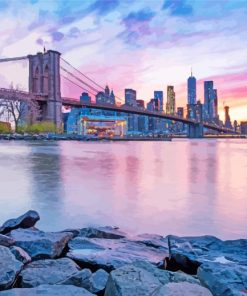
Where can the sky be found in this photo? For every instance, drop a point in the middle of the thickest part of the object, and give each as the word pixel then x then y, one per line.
pixel 140 44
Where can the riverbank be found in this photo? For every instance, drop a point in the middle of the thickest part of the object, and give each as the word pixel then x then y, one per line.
pixel 107 261
pixel 66 137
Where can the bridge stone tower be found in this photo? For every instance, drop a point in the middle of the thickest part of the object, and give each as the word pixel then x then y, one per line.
pixel 44 80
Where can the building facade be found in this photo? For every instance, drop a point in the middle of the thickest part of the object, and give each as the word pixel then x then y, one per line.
pixel 158 95
pixel 191 90
pixel 171 103
pixel 130 97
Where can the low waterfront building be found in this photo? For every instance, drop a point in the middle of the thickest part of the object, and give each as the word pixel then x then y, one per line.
pixel 243 127
pixel 102 126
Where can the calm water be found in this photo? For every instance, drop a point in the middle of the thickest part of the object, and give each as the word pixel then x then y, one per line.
pixel 181 187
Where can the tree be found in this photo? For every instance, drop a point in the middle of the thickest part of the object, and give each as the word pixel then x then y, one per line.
pixel 19 108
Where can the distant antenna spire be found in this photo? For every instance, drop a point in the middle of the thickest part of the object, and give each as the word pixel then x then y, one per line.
pixel 191 71
pixel 44 49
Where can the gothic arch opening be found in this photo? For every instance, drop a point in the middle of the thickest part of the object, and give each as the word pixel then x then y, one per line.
pixel 36 80
pixel 46 80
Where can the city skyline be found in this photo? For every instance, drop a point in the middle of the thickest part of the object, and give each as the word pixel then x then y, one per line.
pixel 145 46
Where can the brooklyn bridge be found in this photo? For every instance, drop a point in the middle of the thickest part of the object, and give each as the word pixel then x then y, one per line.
pixel 44 87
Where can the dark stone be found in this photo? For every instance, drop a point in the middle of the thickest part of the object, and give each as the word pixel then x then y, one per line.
pixel 47 271
pixel 97 282
pixel 130 280
pixel 165 276
pixel 9 268
pixel 6 241
pixel 25 221
pixel 110 254
pixel 79 279
pixel 20 254
pixel 223 279
pixel 188 253
pixel 39 244
pixel 94 283
pixel 106 232
pixel 182 289
pixel 152 240
pixel 48 290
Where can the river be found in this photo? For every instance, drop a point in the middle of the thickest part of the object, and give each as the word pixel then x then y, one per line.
pixel 183 187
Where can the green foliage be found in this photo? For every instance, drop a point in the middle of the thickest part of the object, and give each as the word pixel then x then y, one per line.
pixel 38 128
pixel 5 128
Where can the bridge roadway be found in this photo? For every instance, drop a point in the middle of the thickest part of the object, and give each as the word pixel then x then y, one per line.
pixel 12 94
pixel 132 110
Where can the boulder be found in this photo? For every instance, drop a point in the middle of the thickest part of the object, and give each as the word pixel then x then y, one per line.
pixel 9 268
pixel 47 271
pixel 166 276
pixel 110 254
pixel 24 221
pixel 97 282
pixel 45 290
pixel 84 278
pixel 79 279
pixel 188 253
pixel 106 232
pixel 6 241
pixel 130 280
pixel 152 240
pixel 224 279
pixel 20 254
pixel 39 244
pixel 182 289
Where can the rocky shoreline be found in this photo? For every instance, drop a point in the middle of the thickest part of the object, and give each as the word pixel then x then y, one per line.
pixel 106 261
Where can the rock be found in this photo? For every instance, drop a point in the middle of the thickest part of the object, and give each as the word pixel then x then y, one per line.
pixel 110 254
pixel 20 254
pixel 130 280
pixel 97 282
pixel 9 268
pixel 152 240
pixel 106 232
pixel 79 279
pixel 47 271
pixel 94 283
pixel 51 290
pixel 25 221
pixel 165 276
pixel 6 241
pixel 183 289
pixel 223 279
pixel 188 253
pixel 39 244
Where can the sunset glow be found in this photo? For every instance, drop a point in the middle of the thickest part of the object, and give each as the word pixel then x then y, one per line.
pixel 144 45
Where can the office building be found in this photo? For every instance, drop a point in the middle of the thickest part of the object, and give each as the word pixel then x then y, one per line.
pixel 158 95
pixel 180 112
pixel 130 97
pixel 243 127
pixel 85 98
pixel 228 123
pixel 191 90
pixel 171 104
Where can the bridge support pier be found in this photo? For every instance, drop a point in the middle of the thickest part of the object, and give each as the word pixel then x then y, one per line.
pixel 195 131
pixel 44 79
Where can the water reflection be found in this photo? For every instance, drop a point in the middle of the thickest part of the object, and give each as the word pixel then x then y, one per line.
pixel 180 187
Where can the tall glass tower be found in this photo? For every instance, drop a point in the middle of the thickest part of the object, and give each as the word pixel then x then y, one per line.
pixel 191 88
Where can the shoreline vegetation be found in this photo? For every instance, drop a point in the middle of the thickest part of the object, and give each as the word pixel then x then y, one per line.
pixel 106 261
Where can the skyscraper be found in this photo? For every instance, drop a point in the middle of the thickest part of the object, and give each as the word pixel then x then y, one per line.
pixel 191 89
pixel 158 94
pixel 171 104
pixel 228 123
pixel 130 97
pixel 208 98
